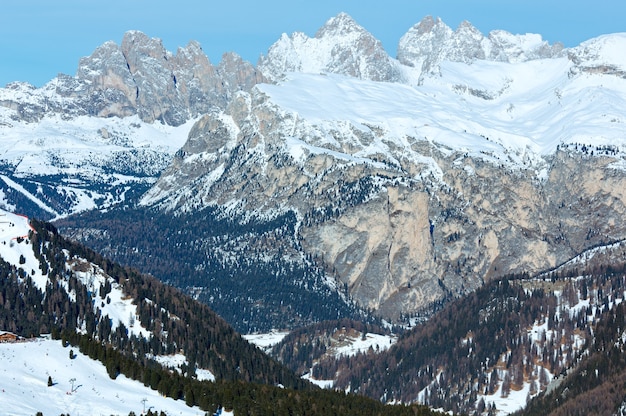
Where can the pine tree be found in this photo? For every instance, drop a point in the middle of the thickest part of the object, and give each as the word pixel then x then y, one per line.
pixel 50 383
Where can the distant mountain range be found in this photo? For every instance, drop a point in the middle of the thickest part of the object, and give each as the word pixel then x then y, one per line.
pixel 409 180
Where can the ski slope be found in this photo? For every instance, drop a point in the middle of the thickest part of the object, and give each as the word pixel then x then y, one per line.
pixel 81 385
pixel 26 366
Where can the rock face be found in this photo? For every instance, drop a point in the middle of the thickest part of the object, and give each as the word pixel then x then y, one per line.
pixel 400 241
pixel 139 77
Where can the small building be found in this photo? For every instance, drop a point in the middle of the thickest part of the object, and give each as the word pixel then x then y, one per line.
pixel 8 337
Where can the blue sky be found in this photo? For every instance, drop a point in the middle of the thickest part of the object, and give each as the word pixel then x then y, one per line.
pixel 41 38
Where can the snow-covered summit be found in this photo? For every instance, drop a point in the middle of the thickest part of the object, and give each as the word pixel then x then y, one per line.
pixel 430 42
pixel 604 54
pixel 491 107
pixel 341 46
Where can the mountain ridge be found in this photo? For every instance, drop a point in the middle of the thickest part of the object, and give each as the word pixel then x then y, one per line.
pixel 380 200
pixel 357 162
pixel 471 165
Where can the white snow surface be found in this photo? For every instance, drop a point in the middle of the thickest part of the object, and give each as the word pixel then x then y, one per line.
pixel 29 145
pixel 358 345
pixel 604 50
pixel 14 246
pixel 266 341
pixel 176 361
pixel 24 391
pixel 514 111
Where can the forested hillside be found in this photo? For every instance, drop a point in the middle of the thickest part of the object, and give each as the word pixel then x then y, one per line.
pixel 166 322
pixel 597 384
pixel 508 342
pixel 247 270
pixel 176 322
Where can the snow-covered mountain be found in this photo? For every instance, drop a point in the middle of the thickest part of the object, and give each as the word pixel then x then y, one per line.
pixel 101 137
pixel 415 191
pixel 403 181
pixel 411 179
pixel 59 166
pixel 430 42
pixel 341 46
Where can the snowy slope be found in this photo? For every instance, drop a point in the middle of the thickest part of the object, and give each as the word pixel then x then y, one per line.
pixel 16 249
pixel 501 109
pixel 116 306
pixel 33 147
pixel 14 246
pixel 69 165
pixel 24 391
pixel 28 364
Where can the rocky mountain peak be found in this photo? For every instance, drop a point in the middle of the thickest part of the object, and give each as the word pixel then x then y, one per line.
pixel 192 53
pixel 341 25
pixel 238 74
pixel 140 77
pixel 141 51
pixel 506 47
pixel 431 41
pixel 341 46
pixel 430 25
pixel 422 43
pixel 600 55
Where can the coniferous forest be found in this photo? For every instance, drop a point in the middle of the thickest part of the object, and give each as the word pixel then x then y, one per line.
pixel 246 271
pixel 562 329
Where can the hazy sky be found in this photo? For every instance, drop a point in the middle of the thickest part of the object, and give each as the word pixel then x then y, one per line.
pixel 41 38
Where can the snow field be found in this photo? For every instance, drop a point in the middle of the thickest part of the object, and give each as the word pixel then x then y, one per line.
pixel 24 371
pixel 514 113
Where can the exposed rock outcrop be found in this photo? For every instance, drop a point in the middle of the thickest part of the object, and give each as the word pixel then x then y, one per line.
pixel 139 77
pixel 399 219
